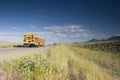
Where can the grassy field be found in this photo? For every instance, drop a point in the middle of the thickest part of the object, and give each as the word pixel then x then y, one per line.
pixel 5 44
pixel 64 62
pixel 106 46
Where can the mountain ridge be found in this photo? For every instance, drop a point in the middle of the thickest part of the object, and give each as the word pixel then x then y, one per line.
pixel 109 39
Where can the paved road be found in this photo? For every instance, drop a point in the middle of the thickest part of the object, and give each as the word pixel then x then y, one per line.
pixel 12 53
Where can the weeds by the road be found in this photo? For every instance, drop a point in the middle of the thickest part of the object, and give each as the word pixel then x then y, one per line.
pixel 104 59
pixel 6 46
pixel 64 63
pixel 106 46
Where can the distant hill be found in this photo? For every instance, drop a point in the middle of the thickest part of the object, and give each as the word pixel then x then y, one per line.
pixel 114 38
pixel 111 38
pixel 94 40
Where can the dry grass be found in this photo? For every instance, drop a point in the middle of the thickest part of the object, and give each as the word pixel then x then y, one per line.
pixel 5 44
pixel 64 63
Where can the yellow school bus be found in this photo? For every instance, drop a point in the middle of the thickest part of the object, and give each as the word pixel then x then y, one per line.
pixel 32 40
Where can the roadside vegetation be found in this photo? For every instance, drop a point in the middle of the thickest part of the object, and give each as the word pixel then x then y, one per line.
pixel 65 62
pixel 5 44
pixel 106 46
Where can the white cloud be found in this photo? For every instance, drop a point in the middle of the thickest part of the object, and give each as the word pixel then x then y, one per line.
pixel 53 27
pixel 15 28
pixel 18 36
pixel 70 31
pixel 75 33
pixel 33 26
pixel 22 33
pixel 40 33
pixel 11 33
pixel 62 35
pixel 117 35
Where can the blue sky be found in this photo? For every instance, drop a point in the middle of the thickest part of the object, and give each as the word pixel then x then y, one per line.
pixel 59 20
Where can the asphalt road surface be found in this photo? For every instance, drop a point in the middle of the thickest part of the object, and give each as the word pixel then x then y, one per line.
pixel 13 53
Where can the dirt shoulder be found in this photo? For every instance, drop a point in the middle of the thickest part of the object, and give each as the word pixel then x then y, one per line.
pixel 13 53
